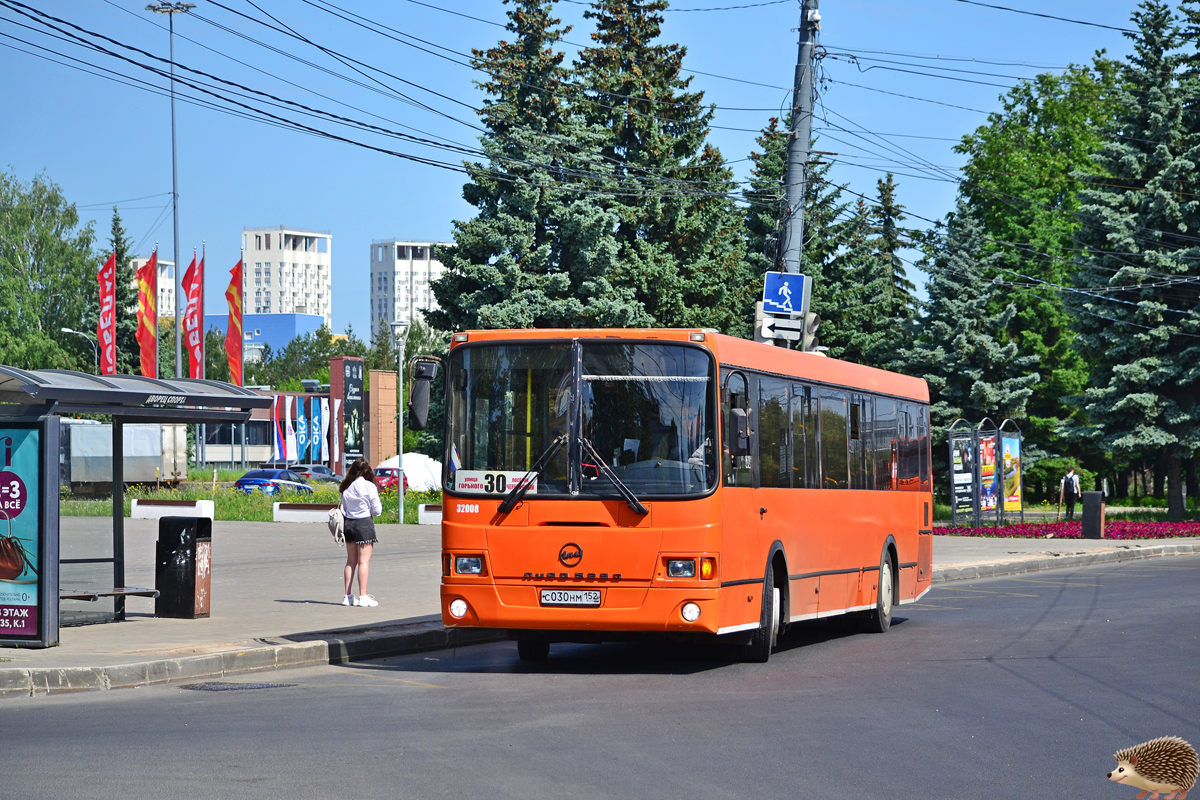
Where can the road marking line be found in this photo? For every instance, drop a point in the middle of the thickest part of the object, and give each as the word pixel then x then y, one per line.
pixel 999 594
pixel 935 606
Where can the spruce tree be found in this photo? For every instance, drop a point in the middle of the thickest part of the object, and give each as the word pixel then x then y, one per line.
pixel 128 353
pixel 890 239
pixel 678 230
pixel 971 373
pixel 541 250
pixel 1136 325
pixel 861 317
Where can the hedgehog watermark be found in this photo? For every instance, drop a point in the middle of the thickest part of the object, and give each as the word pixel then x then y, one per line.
pixel 1167 765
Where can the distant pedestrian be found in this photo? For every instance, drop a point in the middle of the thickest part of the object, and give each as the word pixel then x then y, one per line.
pixel 1069 490
pixel 360 502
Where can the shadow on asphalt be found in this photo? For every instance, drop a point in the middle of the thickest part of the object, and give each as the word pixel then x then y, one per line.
pixel 610 658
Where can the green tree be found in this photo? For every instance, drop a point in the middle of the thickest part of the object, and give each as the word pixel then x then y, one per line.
pixel 679 233
pixel 540 251
pixel 971 373
pixel 1022 180
pixel 47 271
pixel 890 239
pixel 216 361
pixel 1135 325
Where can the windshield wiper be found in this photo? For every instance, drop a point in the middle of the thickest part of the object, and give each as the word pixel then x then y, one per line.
pixel 517 492
pixel 630 498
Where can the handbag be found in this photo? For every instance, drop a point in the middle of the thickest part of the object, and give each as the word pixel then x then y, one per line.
pixel 12 556
pixel 337 524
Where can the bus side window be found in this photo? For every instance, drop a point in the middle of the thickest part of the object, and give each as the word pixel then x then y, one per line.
pixel 923 436
pixel 736 468
pixel 861 447
pixel 774 447
pixel 908 451
pixel 835 470
pixel 804 438
pixel 886 434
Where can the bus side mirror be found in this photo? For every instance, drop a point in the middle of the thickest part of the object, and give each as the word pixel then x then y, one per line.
pixel 739 440
pixel 421 372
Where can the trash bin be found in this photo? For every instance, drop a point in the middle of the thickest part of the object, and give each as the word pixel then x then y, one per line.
pixel 1093 515
pixel 182 567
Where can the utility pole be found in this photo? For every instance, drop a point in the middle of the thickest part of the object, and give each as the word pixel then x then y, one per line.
pixel 801 137
pixel 171 9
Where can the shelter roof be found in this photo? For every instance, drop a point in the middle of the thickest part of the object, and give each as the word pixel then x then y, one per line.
pixel 61 391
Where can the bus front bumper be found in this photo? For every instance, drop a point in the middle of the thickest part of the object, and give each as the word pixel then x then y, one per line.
pixel 622 608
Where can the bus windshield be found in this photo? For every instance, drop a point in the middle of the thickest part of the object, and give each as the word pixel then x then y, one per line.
pixel 645 408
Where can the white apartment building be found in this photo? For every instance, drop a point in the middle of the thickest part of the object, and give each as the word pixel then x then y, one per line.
pixel 166 284
pixel 401 272
pixel 287 271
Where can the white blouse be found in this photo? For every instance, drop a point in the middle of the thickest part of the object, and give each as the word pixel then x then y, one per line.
pixel 361 500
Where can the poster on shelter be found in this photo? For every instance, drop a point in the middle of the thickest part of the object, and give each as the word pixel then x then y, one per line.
pixel 987 473
pixel 354 419
pixel 20 530
pixel 1012 473
pixel 962 475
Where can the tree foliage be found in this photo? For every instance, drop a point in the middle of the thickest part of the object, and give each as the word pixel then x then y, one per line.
pixel 1136 326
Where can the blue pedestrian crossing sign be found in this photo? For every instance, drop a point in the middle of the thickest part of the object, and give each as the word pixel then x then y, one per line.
pixel 786 293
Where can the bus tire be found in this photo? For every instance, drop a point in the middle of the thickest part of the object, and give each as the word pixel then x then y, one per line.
pixel 763 640
pixel 879 619
pixel 532 650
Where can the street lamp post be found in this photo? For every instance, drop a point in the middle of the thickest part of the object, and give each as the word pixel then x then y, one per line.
pixel 171 9
pixel 400 331
pixel 91 341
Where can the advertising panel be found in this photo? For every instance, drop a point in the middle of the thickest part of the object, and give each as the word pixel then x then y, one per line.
pixel 353 409
pixel 20 531
pixel 302 428
pixel 962 474
pixel 988 478
pixel 1012 473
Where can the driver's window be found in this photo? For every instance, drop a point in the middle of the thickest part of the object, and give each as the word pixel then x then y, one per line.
pixel 735 407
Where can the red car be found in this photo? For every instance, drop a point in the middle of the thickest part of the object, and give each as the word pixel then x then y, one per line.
pixel 386 479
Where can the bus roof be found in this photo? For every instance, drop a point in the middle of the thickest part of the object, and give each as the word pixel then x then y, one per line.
pixel 740 353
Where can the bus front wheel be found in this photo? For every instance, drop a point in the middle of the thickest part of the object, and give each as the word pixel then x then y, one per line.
pixel 879 619
pixel 532 650
pixel 763 641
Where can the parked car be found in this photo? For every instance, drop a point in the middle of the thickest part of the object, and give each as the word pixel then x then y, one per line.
pixel 386 479
pixel 317 473
pixel 272 481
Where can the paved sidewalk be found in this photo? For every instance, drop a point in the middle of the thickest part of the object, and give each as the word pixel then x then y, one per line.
pixel 277 591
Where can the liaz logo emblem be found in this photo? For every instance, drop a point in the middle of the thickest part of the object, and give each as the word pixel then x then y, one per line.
pixel 570 554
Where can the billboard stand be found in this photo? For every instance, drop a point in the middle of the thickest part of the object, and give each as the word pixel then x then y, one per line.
pixel 1012 476
pixel 963 483
pixel 988 492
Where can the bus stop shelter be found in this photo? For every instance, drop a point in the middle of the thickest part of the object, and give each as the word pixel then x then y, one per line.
pixel 31 401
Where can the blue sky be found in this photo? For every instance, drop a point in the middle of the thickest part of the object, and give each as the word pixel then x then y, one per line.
pixel 105 142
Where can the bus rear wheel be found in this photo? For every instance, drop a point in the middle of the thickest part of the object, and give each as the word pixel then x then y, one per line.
pixel 763 641
pixel 879 619
pixel 531 650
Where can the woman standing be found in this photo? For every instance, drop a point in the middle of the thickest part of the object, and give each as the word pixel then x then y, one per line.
pixel 360 502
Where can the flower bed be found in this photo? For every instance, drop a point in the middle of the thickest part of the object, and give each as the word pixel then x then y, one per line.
pixel 1113 529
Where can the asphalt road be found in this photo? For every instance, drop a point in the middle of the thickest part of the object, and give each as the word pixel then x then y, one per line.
pixel 1005 688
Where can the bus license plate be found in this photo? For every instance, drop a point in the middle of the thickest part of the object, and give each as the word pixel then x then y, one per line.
pixel 571 597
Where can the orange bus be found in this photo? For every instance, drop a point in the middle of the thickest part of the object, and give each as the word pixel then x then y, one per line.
pixel 607 484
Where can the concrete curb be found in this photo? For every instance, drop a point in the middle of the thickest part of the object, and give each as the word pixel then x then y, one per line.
pixel 1057 561
pixel 309 649
pixel 423 635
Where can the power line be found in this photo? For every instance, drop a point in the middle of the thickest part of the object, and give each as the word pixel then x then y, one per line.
pixel 1046 16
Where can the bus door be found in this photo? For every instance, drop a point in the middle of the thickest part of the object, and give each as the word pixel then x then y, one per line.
pixel 741 561
pixel 802 558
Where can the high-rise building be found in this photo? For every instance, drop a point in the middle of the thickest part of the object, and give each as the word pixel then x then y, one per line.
pixel 401 272
pixel 166 284
pixel 287 271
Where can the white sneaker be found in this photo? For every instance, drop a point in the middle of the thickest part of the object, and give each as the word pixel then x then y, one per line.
pixel 366 601
pixel 349 600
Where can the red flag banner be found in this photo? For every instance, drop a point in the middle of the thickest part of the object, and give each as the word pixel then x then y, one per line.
pixel 147 319
pixel 193 329
pixel 233 337
pixel 106 327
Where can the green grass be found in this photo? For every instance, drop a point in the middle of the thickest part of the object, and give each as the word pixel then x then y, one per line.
pixel 235 506
pixel 203 475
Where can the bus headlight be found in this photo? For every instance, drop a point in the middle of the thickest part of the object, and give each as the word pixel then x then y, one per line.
pixel 691 612
pixel 458 608
pixel 468 565
pixel 681 568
